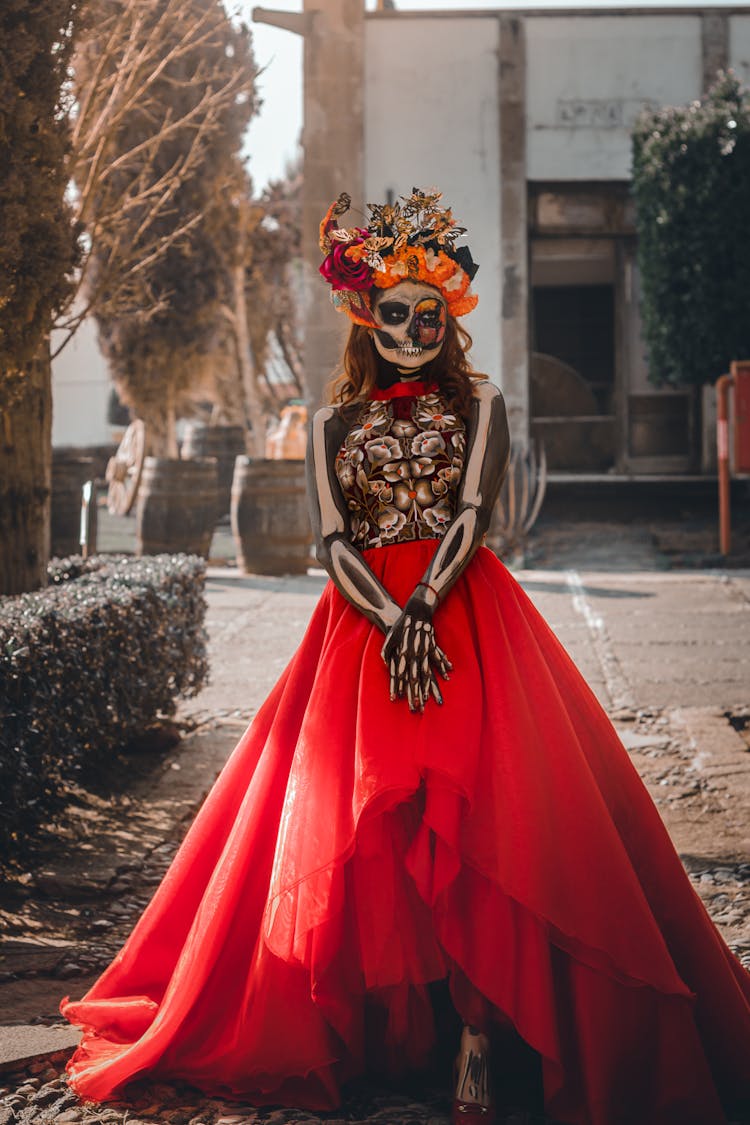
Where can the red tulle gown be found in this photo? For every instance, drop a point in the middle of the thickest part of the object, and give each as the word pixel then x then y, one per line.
pixel 351 852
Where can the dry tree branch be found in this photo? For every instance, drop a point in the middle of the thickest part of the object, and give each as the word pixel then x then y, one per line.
pixel 130 72
pixel 209 103
pixel 164 244
pixel 289 353
pixel 125 72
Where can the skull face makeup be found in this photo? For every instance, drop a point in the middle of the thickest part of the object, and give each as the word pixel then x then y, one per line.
pixel 411 319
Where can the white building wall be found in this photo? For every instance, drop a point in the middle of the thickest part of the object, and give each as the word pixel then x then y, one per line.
pixel 80 390
pixel 739 47
pixel 587 79
pixel 432 119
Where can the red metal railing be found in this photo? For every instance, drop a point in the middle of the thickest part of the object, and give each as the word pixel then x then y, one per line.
pixel 738 380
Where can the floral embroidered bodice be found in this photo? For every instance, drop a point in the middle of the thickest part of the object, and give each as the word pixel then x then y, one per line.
pixel 400 465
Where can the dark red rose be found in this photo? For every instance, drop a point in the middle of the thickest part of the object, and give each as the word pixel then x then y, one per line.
pixel 342 273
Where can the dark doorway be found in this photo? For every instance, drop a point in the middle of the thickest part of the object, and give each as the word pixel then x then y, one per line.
pixel 573 375
pixel 576 324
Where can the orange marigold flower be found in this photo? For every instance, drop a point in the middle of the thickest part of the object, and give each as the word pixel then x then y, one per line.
pixel 438 269
pixel 356 252
pixel 465 305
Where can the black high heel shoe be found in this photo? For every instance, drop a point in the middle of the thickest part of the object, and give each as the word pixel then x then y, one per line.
pixel 472 1099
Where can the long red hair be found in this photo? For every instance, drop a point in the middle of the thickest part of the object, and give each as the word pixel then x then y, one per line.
pixel 450 369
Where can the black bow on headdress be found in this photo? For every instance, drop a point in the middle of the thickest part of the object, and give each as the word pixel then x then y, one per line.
pixel 462 255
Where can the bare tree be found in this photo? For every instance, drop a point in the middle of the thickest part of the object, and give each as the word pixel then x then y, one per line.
pixel 164 91
pixel 272 288
pixel 258 357
pixel 149 103
pixel 132 76
pixel 244 384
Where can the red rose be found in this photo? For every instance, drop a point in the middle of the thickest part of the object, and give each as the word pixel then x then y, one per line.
pixel 342 273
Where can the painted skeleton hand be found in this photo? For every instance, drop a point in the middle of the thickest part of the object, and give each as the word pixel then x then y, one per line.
pixel 413 657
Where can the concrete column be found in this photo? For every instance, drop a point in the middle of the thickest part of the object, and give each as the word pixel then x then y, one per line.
pixel 514 322
pixel 333 142
pixel 715 45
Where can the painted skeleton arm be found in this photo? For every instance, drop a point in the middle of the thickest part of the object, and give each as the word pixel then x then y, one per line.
pixel 330 524
pixel 487 456
pixel 410 649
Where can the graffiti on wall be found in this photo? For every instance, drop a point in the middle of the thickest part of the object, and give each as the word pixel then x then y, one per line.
pixel 599 113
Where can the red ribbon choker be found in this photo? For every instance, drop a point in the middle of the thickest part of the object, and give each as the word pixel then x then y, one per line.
pixel 412 388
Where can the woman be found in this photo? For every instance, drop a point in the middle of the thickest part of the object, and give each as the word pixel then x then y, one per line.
pixel 431 793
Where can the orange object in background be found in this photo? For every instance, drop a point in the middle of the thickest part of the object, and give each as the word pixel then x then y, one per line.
pixel 288 441
pixel 739 380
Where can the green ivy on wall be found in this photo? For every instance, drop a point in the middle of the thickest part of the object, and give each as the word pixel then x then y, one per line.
pixel 691 183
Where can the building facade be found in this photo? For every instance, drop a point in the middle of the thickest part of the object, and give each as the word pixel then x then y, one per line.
pixel 523 120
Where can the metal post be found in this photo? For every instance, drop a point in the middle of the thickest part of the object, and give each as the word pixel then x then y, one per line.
pixel 87 536
pixel 740 371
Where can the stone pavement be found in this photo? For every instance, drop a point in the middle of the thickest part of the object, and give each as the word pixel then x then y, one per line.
pixel 667 652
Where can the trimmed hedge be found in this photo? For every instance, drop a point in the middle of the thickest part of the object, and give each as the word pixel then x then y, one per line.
pixel 87 664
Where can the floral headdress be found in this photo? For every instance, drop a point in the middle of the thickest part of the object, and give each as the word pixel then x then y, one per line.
pixel 410 240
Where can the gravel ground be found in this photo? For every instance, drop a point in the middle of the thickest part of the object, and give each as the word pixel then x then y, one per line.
pixel 44 1098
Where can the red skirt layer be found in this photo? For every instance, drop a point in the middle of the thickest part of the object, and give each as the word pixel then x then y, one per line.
pixel 352 852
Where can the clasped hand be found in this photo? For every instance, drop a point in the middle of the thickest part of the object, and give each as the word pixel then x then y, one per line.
pixel 413 657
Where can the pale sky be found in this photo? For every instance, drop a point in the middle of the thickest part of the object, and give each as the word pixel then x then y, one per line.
pixel 274 134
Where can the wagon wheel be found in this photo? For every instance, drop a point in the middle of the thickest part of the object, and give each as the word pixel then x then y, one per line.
pixel 124 469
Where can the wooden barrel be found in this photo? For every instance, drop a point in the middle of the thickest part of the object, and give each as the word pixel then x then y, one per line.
pixel 69 474
pixel 176 509
pixel 270 522
pixel 222 442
